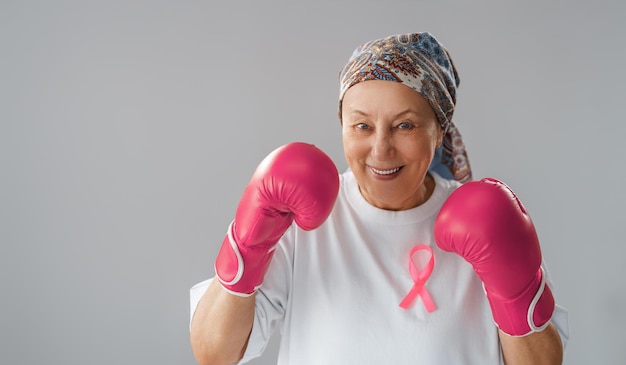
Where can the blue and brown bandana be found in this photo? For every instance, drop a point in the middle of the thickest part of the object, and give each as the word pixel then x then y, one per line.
pixel 420 62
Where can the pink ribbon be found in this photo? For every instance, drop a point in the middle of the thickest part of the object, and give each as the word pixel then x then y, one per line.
pixel 419 279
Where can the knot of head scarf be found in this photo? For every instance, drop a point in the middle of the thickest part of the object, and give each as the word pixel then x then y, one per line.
pixel 420 62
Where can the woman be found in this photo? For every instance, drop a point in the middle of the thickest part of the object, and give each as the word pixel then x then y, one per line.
pixel 390 261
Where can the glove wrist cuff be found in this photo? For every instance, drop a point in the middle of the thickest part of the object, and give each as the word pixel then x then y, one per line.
pixel 240 270
pixel 529 312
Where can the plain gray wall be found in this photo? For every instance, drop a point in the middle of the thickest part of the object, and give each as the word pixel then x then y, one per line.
pixel 129 129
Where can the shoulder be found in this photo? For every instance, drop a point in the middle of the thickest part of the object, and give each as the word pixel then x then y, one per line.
pixel 347 178
pixel 443 185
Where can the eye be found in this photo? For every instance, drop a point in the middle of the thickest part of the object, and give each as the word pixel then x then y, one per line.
pixel 362 126
pixel 405 125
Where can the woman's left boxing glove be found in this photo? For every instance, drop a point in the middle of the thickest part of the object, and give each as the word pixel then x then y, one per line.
pixel 485 223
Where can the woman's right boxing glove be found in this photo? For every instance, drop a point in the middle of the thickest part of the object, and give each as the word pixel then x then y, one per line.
pixel 296 181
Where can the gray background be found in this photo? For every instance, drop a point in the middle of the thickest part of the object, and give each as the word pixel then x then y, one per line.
pixel 129 129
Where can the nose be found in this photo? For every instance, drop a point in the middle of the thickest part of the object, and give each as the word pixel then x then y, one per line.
pixel 382 146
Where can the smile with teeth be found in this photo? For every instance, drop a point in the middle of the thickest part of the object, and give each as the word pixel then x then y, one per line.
pixel 385 172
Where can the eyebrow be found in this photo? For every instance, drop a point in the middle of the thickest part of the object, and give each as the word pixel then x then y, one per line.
pixel 406 111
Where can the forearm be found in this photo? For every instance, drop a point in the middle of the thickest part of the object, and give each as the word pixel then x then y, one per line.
pixel 537 348
pixel 221 326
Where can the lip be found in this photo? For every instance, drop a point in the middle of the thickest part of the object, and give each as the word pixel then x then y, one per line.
pixel 385 174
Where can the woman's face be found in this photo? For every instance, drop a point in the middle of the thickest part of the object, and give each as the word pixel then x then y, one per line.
pixel 390 133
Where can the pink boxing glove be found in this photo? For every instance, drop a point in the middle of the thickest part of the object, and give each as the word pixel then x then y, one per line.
pixel 296 181
pixel 485 223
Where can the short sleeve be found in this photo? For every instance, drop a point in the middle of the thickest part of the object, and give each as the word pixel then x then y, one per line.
pixel 271 298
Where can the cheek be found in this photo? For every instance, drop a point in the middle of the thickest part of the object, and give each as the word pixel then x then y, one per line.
pixel 422 149
pixel 353 147
pixel 433 138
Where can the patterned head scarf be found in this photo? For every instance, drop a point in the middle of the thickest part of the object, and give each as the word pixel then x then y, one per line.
pixel 420 62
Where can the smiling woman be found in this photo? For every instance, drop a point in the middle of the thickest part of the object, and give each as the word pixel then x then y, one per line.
pixel 323 256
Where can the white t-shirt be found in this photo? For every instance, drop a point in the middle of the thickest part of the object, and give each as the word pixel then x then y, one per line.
pixel 334 292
